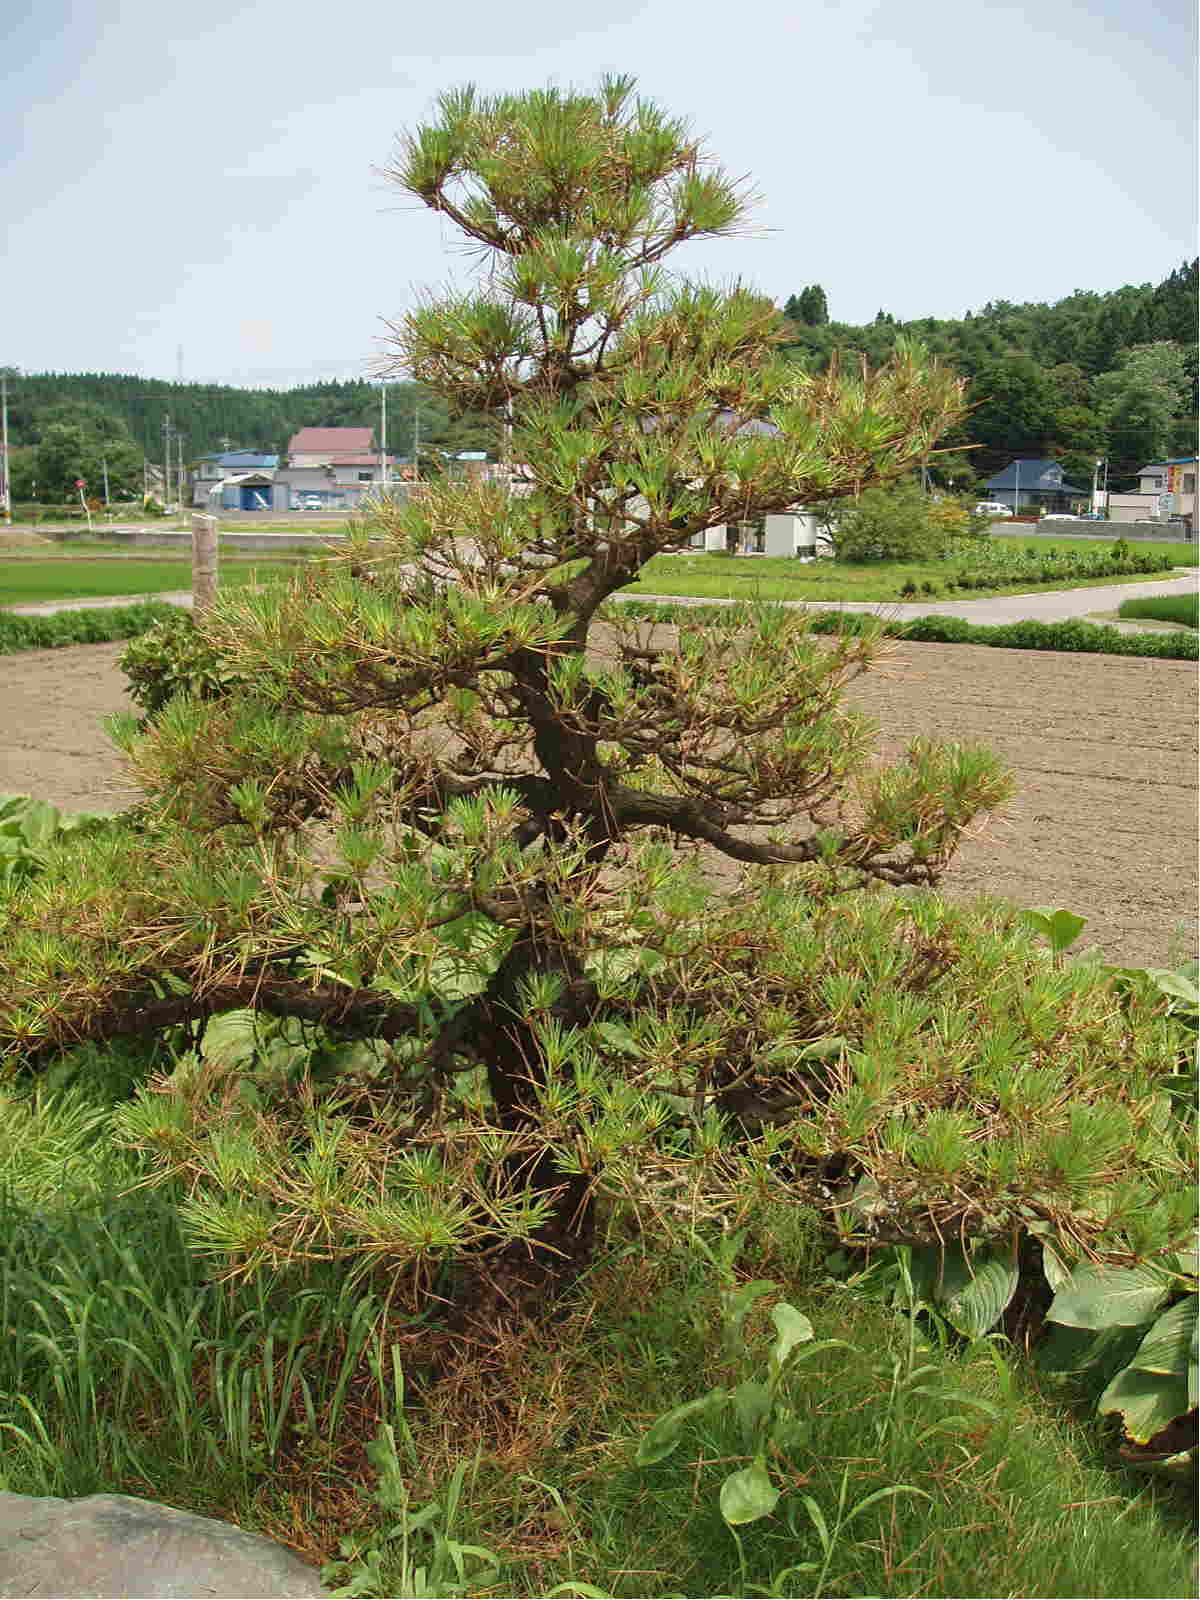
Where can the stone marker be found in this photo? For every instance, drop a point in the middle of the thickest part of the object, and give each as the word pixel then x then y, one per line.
pixel 106 1546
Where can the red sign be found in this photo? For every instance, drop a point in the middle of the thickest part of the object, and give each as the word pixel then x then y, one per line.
pixel 81 483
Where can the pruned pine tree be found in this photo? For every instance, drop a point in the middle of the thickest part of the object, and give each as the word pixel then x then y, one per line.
pixel 454 818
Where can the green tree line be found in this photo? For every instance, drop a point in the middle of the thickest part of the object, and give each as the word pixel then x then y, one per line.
pixel 1110 374
pixel 1094 374
pixel 64 426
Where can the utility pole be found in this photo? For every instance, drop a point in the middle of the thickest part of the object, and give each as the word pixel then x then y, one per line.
pixel 1017 490
pixel 4 447
pixel 104 469
pixel 383 476
pixel 179 465
pixel 416 442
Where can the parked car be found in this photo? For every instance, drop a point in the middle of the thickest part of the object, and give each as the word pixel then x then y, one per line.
pixel 992 508
pixel 311 502
pixel 1060 516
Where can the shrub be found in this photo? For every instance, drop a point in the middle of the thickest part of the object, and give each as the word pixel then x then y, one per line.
pixel 1183 609
pixel 899 523
pixel 1087 637
pixel 90 625
pixel 174 658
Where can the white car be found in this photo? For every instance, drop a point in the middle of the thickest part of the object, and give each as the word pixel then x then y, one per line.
pixel 1059 516
pixel 992 508
pixel 311 503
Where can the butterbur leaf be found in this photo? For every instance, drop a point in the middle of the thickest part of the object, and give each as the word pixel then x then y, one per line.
pixel 748 1495
pixel 661 1438
pixel 1146 1401
pixel 1170 1344
pixel 794 1328
pixel 1099 1296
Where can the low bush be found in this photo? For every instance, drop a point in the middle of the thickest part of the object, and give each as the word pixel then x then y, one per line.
pixel 1071 636
pixel 1182 609
pixel 901 523
pixel 173 658
pixel 95 625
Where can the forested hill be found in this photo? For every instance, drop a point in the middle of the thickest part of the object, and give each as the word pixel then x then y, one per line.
pixel 216 417
pixel 1095 374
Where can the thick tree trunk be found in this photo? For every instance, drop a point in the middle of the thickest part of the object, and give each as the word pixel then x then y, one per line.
pixel 516 1069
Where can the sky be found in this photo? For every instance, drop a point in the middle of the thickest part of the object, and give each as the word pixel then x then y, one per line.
pixel 197 189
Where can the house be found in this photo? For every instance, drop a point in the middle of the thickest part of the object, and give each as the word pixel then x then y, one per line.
pixel 209 471
pixel 1033 485
pixel 320 447
pixel 337 466
pixel 1174 483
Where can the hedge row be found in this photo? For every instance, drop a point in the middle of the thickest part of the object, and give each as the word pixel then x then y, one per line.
pixel 95 625
pixel 1072 636
pixel 99 625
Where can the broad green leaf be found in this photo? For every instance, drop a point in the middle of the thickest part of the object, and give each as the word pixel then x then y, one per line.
pixel 1168 1346
pixel 1099 1296
pixel 977 1304
pixel 661 1438
pixel 231 1038
pixel 751 1403
pixel 794 1328
pixel 1179 985
pixel 1146 1401
pixel 748 1495
pixel 1060 926
pixel 1058 1274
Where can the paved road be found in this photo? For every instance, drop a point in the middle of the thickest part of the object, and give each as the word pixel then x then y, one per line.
pixel 1053 605
pixel 1046 606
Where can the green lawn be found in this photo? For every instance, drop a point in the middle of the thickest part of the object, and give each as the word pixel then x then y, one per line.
pixel 26 582
pixel 719 577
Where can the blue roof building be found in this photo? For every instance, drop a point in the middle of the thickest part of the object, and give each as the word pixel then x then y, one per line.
pixel 1033 482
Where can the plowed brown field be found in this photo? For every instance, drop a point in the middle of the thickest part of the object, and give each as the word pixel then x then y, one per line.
pixel 1104 748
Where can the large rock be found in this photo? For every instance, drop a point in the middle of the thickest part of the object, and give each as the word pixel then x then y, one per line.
pixel 110 1545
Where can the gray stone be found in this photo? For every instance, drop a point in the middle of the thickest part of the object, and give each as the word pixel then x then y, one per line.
pixel 111 1545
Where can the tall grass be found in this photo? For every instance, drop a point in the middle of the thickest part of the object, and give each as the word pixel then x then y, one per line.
pixel 125 1367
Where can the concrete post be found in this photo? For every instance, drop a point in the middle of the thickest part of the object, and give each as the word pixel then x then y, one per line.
pixel 204 561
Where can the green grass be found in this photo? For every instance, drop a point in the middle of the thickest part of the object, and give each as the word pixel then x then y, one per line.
pixel 26 582
pixel 715 577
pixel 125 1368
pixel 1183 610
pixel 1181 551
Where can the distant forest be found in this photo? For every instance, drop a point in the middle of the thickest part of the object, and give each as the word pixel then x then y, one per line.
pixel 1109 374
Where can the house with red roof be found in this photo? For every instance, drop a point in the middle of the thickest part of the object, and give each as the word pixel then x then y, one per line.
pixel 320 447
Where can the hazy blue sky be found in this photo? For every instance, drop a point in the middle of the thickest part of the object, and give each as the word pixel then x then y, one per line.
pixel 205 176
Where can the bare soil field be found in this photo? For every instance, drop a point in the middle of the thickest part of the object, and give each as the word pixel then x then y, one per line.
pixel 1104 749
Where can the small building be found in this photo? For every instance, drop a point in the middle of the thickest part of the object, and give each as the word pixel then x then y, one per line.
pixel 1034 485
pixel 1173 483
pixel 209 471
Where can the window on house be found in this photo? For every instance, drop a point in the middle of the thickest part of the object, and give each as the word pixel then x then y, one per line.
pixel 365 477
pixel 1189 483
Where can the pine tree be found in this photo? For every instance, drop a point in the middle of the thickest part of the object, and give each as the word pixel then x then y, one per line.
pixel 445 816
